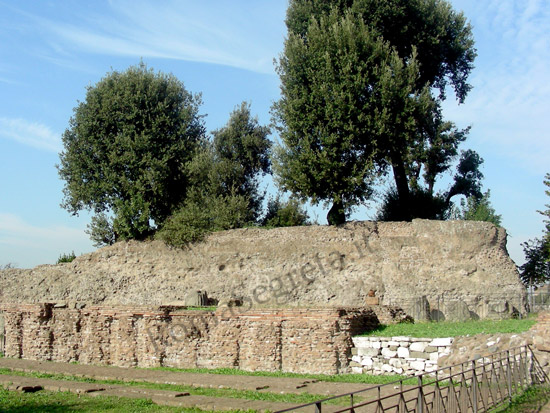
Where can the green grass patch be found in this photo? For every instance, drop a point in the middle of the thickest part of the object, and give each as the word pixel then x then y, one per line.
pixel 301 398
pixel 210 308
pixel 45 401
pixel 337 378
pixel 530 401
pixel 450 329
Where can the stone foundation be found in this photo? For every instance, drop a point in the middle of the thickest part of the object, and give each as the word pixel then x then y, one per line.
pixel 288 340
pixel 398 355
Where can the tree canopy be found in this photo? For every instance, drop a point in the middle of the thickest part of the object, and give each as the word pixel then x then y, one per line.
pixel 224 183
pixel 357 79
pixel 536 269
pixel 476 208
pixel 126 150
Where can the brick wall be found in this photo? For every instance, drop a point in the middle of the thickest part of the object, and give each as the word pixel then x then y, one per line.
pixel 290 340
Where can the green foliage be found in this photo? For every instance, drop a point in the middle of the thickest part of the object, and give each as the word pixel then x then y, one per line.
pixel 101 230
pixel 223 175
pixel 66 258
pixel 289 213
pixel 125 151
pixel 536 269
pixel 342 87
pixel 479 209
pixel 356 98
pixel 421 204
pixel 453 329
pixel 546 214
pixel 241 153
pixel 203 214
pixel 442 37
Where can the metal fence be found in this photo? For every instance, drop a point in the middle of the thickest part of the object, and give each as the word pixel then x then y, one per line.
pixel 474 386
pixel 539 299
pixel 447 306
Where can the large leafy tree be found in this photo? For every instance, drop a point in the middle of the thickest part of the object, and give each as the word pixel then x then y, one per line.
pixel 224 176
pixel 342 88
pixel 536 269
pixel 407 133
pixel 479 209
pixel 126 150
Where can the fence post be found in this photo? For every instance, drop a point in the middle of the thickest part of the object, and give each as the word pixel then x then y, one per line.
pixel 420 401
pixel 318 407
pixel 474 387
pixel 509 375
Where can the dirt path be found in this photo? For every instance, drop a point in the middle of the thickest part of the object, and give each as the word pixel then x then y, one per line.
pixel 172 398
pixel 238 382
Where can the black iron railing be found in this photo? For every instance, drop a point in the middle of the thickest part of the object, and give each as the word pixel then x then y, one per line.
pixel 474 386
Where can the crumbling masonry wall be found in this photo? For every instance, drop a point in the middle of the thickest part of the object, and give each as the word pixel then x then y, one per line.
pixel 289 340
pixel 447 270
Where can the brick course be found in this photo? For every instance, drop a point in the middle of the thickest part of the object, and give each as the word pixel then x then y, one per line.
pixel 289 340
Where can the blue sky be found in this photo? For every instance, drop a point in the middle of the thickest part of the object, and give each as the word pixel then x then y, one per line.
pixel 50 51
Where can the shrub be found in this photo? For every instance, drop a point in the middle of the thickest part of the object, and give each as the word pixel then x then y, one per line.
pixel 66 258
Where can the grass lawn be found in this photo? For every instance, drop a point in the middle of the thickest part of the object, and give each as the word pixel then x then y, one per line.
pixel 449 329
pixel 45 401
pixel 531 401
pixel 337 378
pixel 300 398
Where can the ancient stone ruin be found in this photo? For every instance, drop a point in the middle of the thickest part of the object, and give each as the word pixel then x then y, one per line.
pixel 432 269
pixel 304 290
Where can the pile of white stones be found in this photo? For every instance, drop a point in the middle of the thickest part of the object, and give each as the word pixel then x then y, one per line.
pixel 398 355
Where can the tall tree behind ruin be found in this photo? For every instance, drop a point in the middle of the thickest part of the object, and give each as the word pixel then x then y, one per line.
pixel 405 133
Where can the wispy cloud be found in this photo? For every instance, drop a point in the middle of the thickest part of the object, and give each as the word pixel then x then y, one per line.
pixel 175 30
pixel 30 133
pixel 508 106
pixel 19 238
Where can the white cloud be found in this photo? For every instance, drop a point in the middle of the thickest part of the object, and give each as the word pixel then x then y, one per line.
pixel 508 106
pixel 27 245
pixel 218 34
pixel 30 133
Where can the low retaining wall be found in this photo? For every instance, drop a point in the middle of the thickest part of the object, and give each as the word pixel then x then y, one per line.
pixel 289 340
pixel 398 355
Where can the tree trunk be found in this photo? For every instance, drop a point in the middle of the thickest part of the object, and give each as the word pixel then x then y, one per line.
pixel 402 184
pixel 336 215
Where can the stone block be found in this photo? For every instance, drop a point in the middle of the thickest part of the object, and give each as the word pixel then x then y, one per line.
pixel 372 301
pixel 403 352
pixel 434 357
pixel 402 339
pixel 369 352
pixel 417 365
pixel 354 364
pixel 356 359
pixel 387 353
pixel 357 370
pixel 419 355
pixel 360 341
pixel 393 343
pixel 367 362
pixel 441 342
pixel 395 362
pixel 418 346
pixel 354 351
pixel 430 349
pixel 398 370
pixel 376 344
pixel 387 368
